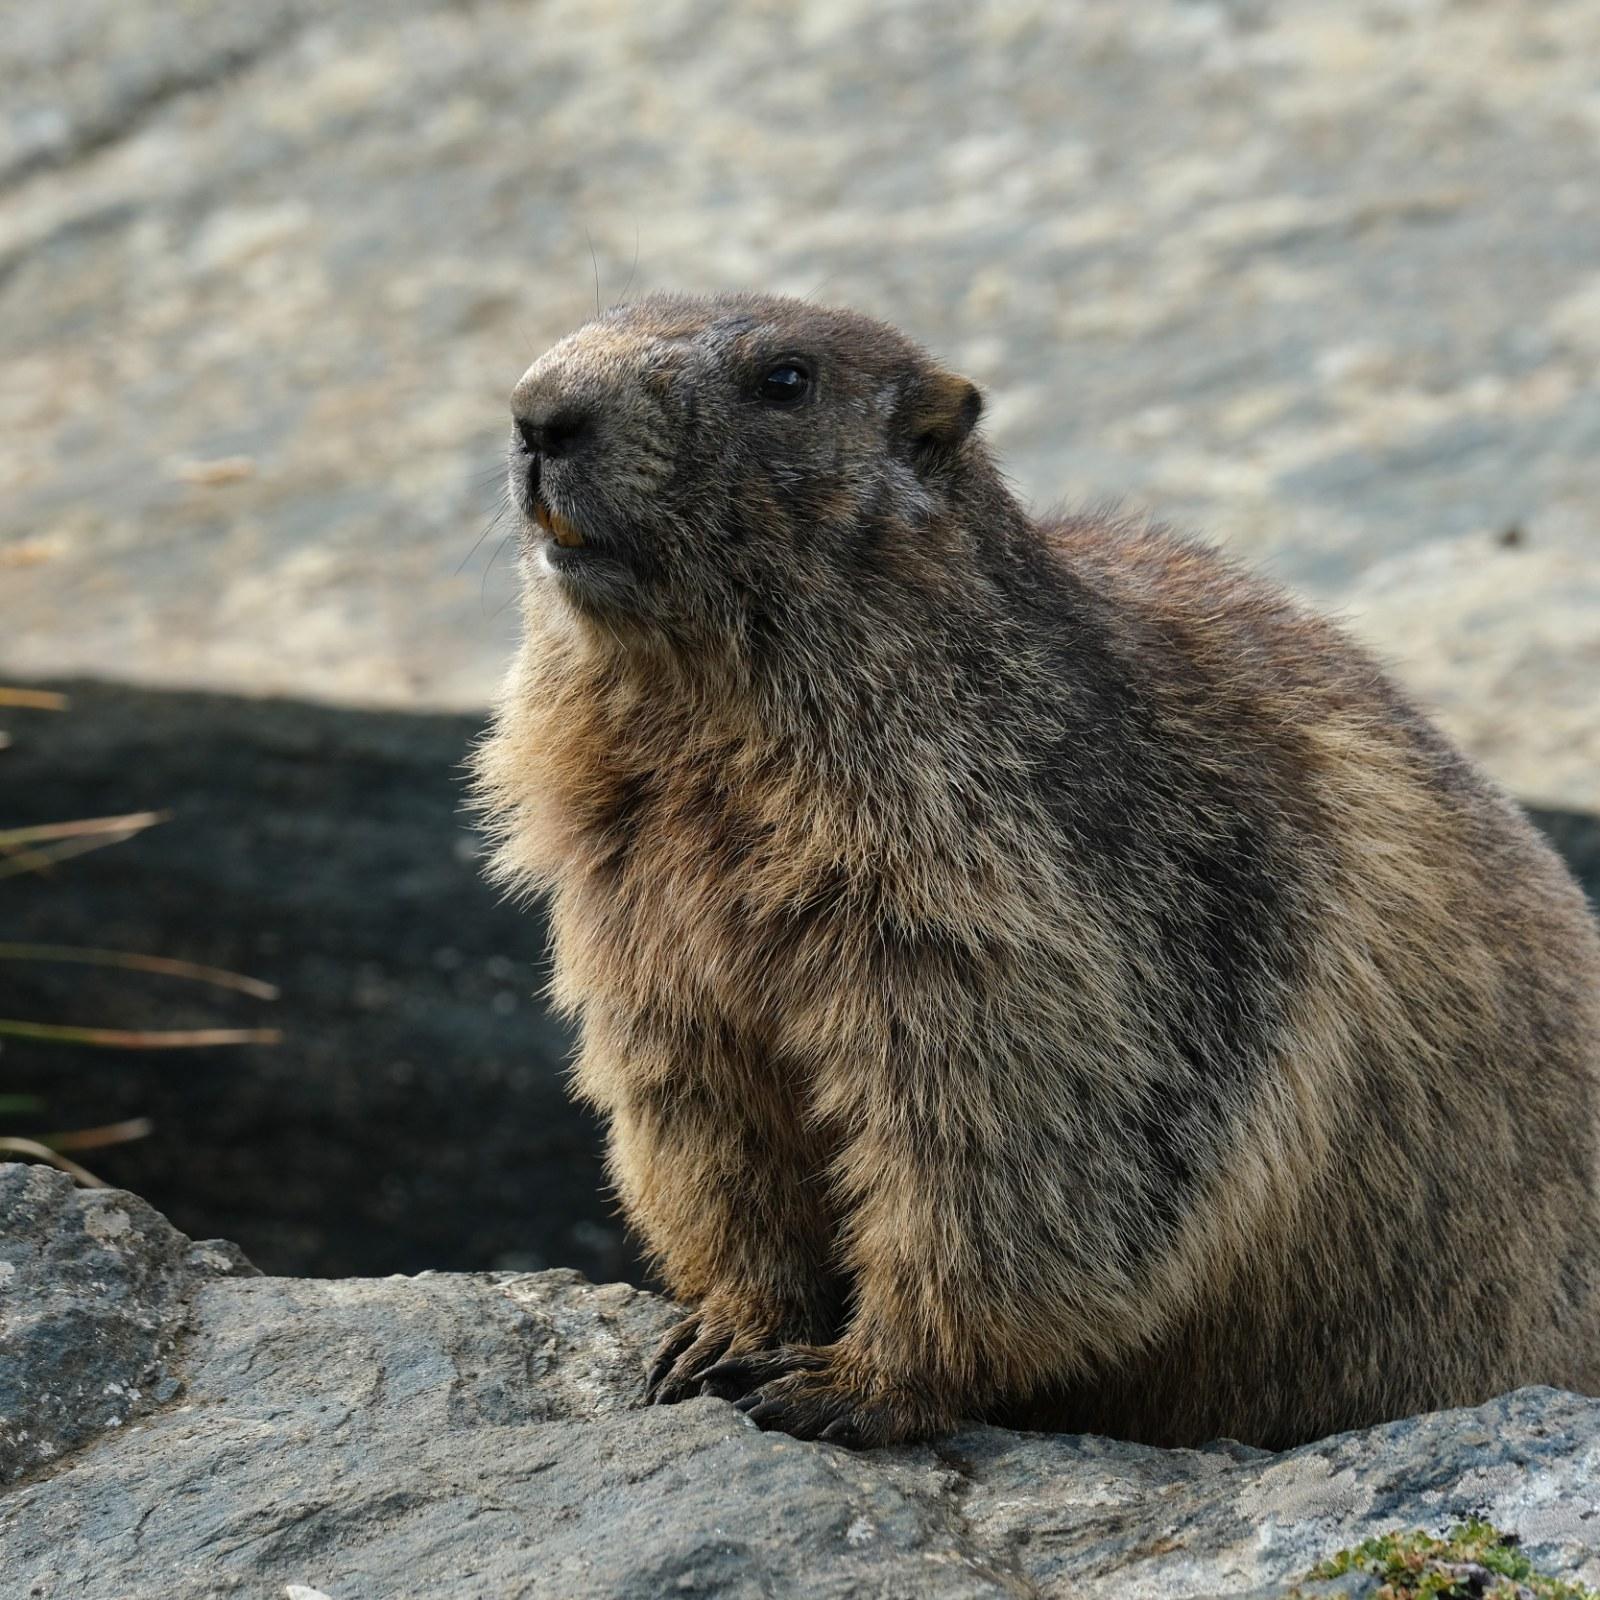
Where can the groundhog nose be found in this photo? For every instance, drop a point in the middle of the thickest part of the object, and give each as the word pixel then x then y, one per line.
pixel 558 431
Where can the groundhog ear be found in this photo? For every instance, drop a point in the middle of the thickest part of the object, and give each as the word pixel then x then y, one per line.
pixel 938 413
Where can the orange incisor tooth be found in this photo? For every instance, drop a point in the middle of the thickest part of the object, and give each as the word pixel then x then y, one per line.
pixel 557 526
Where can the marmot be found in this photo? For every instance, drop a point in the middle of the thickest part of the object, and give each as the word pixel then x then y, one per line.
pixel 1034 971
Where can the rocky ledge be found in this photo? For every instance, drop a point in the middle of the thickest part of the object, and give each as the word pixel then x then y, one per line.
pixel 174 1426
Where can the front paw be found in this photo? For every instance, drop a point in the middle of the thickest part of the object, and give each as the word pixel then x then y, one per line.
pixel 817 1392
pixel 723 1327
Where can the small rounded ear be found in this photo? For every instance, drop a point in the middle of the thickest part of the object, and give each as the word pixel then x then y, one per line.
pixel 937 413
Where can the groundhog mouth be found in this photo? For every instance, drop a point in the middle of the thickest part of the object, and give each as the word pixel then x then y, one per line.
pixel 557 526
pixel 589 560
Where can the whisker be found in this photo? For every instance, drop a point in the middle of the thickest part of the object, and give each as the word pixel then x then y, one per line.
pixel 483 583
pixel 595 263
pixel 488 528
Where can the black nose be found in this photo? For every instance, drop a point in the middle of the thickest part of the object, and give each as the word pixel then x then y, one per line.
pixel 561 432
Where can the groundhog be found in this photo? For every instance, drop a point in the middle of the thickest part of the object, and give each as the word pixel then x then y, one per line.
pixel 1033 971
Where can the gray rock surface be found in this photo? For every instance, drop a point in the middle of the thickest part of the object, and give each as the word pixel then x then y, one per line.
pixel 476 1436
pixel 1323 281
pixel 94 1290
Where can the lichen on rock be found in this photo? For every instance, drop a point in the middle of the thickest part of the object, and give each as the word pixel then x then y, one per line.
pixel 1474 1560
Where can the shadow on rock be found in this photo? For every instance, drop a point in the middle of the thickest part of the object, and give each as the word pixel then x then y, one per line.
pixel 415 1114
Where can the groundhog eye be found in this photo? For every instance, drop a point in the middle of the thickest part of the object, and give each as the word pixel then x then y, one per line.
pixel 784 384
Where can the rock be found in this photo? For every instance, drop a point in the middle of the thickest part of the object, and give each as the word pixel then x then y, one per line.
pixel 1502 643
pixel 452 1435
pixel 94 1290
pixel 1318 281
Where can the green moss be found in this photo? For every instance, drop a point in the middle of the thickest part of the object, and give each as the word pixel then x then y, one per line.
pixel 1474 1561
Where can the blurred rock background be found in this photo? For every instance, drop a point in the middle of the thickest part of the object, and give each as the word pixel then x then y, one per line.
pixel 1320 281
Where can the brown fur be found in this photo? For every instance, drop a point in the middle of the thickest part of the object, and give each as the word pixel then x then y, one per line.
pixel 1031 971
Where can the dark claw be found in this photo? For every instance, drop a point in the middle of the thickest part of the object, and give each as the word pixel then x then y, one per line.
pixel 667 1353
pixel 673 1388
pixel 723 1388
pixel 736 1376
pixel 843 1432
pixel 764 1413
pixel 657 1376
pixel 740 1374
pixel 748 1403
pixel 683 1381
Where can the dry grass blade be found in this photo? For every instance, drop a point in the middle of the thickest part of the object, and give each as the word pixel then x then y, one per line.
pixel 133 1039
pixel 75 839
pixel 131 961
pixel 99 1138
pixel 33 699
pixel 43 1152
pixel 44 832
pixel 24 859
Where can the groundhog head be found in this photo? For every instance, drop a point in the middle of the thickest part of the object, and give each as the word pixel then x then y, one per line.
pixel 699 467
